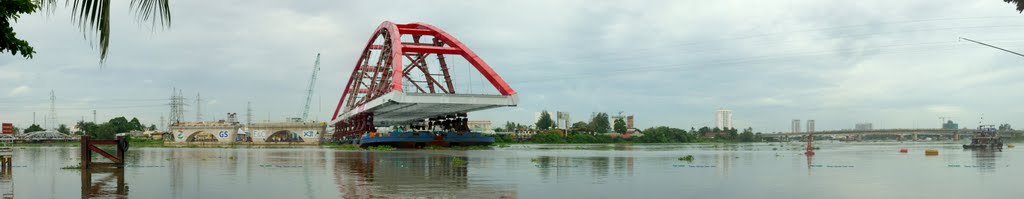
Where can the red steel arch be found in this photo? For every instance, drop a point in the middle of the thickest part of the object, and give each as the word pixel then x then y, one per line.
pixel 386 63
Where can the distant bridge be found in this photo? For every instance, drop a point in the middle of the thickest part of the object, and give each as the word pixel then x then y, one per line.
pixel 956 133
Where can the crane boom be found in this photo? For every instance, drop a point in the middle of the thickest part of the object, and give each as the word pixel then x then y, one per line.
pixel 984 44
pixel 309 91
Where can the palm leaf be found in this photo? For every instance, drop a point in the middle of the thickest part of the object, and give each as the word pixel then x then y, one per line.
pixel 1020 4
pixel 93 16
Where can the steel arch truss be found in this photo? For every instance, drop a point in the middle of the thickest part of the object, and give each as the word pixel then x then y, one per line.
pixel 420 65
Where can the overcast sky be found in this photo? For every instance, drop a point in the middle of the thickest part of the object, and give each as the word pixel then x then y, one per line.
pixel 892 63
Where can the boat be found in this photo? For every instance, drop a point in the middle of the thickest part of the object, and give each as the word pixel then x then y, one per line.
pixel 421 139
pixel 986 137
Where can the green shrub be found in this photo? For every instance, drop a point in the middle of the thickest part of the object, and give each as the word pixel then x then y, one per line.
pixel 688 158
pixel 381 148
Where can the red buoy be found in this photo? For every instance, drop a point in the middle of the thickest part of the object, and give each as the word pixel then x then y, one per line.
pixel 903 150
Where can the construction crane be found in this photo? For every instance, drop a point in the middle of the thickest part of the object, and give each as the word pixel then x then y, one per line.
pixel 984 44
pixel 309 91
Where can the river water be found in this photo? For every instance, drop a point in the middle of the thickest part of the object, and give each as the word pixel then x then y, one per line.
pixel 758 170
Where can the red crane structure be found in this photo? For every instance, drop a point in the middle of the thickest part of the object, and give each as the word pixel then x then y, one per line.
pixel 403 79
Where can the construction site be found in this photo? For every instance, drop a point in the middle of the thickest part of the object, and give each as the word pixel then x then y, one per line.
pixel 402 92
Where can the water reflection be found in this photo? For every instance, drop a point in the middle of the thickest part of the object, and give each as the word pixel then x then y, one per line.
pixel 6 182
pixel 500 173
pixel 409 174
pixel 985 159
pixel 110 185
pixel 599 168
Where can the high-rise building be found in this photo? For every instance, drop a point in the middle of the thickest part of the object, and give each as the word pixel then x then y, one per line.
pixel 796 126
pixel 810 126
pixel 563 119
pixel 723 119
pixel 863 126
pixel 950 125
pixel 629 122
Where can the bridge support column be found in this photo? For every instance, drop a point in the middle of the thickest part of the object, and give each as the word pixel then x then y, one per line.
pixel 915 136
pixel 899 137
pixel 956 136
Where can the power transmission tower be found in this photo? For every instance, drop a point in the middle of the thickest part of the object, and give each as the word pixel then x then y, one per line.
pixel 248 113
pixel 309 90
pixel 175 117
pixel 199 110
pixel 53 110
pixel 177 107
pixel 161 122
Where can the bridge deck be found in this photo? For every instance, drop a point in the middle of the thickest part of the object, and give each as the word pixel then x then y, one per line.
pixel 397 108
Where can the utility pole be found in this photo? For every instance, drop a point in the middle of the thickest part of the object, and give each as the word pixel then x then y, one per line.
pixel 53 110
pixel 199 110
pixel 94 116
pixel 248 113
pixel 161 121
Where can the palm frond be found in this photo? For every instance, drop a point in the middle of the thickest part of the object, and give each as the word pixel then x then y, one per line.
pixel 1020 4
pixel 93 16
pixel 156 11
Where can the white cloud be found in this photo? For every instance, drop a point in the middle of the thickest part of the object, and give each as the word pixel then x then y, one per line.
pixel 19 91
pixel 670 62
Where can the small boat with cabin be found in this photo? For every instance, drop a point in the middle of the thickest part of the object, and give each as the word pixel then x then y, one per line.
pixel 986 137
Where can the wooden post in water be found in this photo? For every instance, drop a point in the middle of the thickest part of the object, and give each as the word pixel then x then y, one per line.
pixel 86 154
pixel 88 146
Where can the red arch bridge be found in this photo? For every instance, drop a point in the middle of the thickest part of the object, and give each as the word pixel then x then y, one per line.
pixel 407 80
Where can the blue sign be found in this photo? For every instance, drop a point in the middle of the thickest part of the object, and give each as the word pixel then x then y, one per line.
pixel 308 134
pixel 223 134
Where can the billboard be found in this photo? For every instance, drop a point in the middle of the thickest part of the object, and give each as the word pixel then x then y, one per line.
pixel 8 128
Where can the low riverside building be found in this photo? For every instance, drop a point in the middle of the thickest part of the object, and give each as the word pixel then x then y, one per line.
pixel 286 133
pixel 259 133
pixel 204 132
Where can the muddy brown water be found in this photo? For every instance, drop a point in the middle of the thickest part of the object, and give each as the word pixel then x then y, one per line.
pixel 838 170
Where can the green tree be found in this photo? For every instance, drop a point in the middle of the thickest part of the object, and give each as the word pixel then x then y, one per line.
pixel 619 126
pixel 580 127
pixel 33 128
pixel 580 138
pixel 152 127
pixel 10 11
pixel 544 122
pixel 104 131
pixel 63 129
pixel 90 15
pixel 703 131
pixel 664 134
pixel 747 135
pixel 511 126
pixel 599 123
pixel 119 124
pixel 1005 127
pixel 552 136
pixel 135 124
